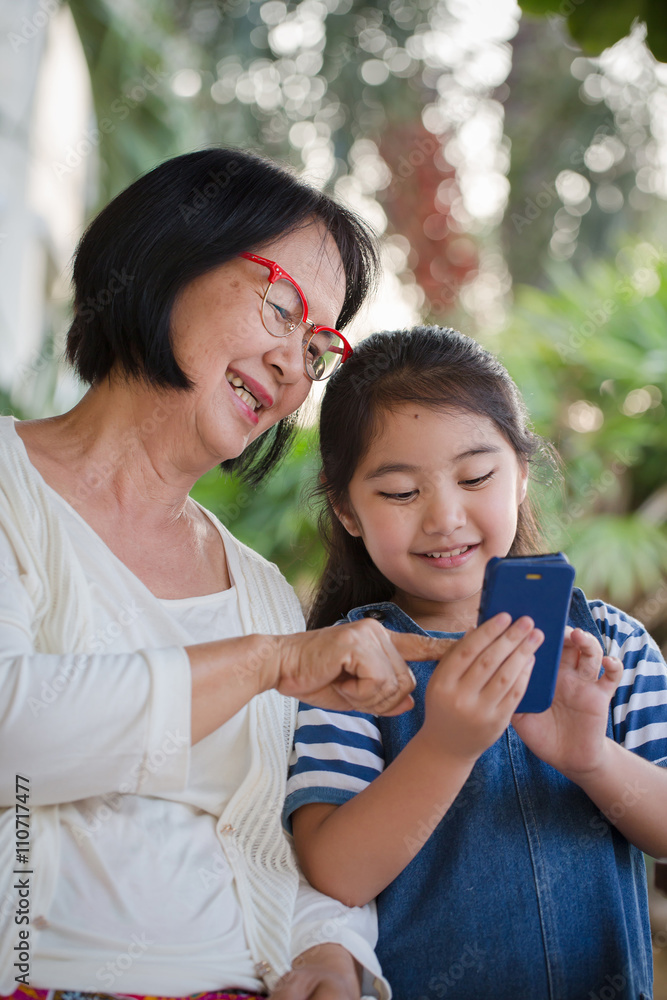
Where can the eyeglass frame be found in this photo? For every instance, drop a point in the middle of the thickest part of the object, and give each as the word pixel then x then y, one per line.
pixel 276 272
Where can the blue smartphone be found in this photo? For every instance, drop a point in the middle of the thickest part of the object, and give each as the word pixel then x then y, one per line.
pixel 541 587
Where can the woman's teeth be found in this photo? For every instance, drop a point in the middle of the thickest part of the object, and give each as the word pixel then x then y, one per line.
pixel 242 391
pixel 445 555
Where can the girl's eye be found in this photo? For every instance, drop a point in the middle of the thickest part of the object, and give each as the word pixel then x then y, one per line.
pixel 400 496
pixel 479 481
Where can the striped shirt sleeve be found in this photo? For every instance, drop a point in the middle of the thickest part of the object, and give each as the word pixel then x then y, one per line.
pixel 335 756
pixel 639 705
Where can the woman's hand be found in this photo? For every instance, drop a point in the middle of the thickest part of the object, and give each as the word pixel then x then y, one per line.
pixel 325 972
pixel 358 666
pixel 477 686
pixel 571 734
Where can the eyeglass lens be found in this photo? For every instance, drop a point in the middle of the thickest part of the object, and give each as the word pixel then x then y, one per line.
pixel 282 309
pixel 282 313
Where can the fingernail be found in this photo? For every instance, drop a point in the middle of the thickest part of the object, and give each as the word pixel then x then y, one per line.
pixel 414 679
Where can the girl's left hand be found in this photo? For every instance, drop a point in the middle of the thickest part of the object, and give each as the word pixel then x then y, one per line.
pixel 325 972
pixel 571 734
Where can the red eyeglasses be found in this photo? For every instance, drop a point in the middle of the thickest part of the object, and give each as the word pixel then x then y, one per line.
pixel 284 308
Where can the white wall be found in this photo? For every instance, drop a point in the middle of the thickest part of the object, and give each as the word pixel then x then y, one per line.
pixel 45 111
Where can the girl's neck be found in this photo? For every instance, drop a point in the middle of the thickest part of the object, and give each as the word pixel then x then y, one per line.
pixel 457 616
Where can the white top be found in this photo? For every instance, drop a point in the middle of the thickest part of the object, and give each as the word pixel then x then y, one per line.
pixel 154 867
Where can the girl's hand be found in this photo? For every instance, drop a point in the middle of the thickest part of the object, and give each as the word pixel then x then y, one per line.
pixel 359 666
pixel 571 734
pixel 325 972
pixel 477 685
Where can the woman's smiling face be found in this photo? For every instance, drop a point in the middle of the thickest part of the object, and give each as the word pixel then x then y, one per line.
pixel 245 379
pixel 434 498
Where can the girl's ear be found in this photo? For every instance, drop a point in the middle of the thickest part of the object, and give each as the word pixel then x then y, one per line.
pixel 342 512
pixel 348 520
pixel 522 485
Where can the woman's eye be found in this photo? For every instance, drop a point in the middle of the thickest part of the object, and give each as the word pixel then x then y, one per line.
pixel 400 496
pixel 281 313
pixel 478 481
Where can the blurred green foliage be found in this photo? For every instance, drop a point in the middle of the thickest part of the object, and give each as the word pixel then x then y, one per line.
pixel 597 24
pixel 277 519
pixel 590 357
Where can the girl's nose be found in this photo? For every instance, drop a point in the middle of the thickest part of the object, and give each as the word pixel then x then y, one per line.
pixel 444 513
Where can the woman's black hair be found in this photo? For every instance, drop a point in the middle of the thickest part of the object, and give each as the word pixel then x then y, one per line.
pixel 429 366
pixel 181 220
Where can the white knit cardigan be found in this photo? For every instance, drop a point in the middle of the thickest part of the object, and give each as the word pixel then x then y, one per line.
pixel 249 829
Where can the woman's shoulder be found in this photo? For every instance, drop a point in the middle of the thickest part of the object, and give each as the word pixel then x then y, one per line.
pixel 20 485
pixel 10 442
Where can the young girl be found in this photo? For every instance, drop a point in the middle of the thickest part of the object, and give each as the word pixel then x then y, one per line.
pixel 504 849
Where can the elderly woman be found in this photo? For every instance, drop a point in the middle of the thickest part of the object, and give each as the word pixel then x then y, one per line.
pixel 145 654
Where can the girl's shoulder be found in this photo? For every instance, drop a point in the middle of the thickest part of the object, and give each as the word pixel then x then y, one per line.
pixel 639 704
pixel 621 633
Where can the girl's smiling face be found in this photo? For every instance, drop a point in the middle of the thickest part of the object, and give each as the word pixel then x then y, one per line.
pixel 434 498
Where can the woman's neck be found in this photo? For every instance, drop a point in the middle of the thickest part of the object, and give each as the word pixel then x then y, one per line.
pixel 124 444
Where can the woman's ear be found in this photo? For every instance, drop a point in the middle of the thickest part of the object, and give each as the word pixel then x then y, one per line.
pixel 522 484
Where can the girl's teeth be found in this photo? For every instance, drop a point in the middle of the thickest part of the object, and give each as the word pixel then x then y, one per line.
pixel 442 555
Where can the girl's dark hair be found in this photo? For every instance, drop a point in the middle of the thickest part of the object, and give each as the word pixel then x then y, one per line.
pixel 429 366
pixel 181 220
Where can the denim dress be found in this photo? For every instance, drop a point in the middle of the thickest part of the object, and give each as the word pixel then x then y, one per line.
pixel 523 891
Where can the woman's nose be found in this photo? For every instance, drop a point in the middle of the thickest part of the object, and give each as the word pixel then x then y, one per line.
pixel 285 355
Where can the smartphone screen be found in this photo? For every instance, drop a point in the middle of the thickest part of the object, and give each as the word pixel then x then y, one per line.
pixel 539 586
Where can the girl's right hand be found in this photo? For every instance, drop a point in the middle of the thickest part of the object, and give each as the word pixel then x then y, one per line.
pixel 477 685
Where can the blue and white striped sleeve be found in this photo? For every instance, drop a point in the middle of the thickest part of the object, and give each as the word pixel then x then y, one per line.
pixel 639 705
pixel 335 756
